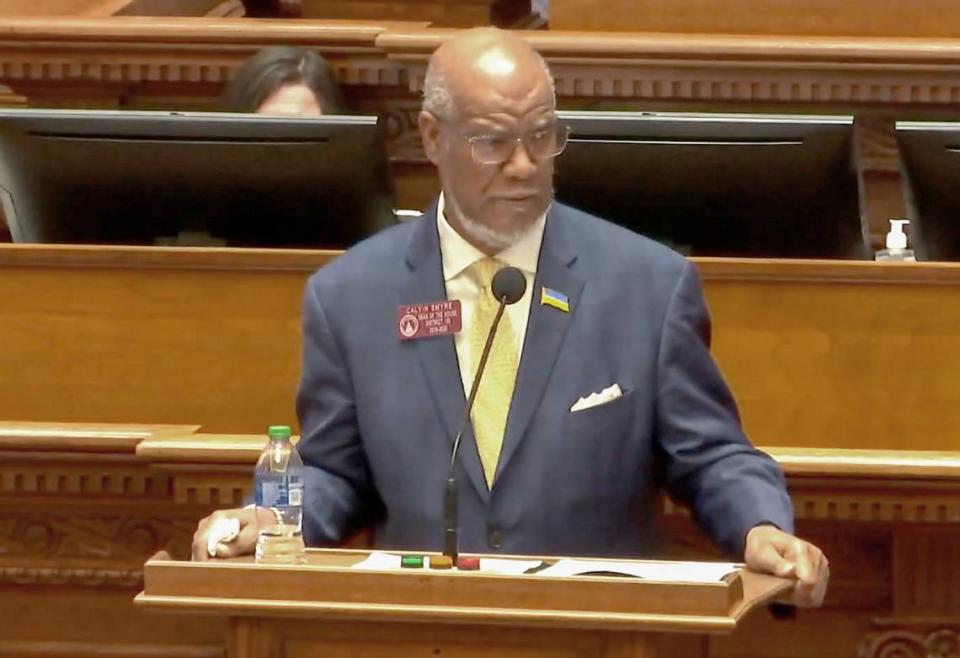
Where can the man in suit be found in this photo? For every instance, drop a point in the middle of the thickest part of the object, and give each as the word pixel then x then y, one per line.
pixel 547 467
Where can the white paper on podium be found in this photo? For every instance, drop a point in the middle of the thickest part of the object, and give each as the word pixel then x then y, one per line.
pixel 379 562
pixel 507 567
pixel 671 572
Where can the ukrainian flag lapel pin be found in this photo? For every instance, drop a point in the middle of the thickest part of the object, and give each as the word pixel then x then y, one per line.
pixel 550 297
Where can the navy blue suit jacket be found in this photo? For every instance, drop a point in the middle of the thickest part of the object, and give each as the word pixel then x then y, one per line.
pixel 378 414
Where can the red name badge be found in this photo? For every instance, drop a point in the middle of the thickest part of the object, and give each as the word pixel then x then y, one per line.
pixel 428 320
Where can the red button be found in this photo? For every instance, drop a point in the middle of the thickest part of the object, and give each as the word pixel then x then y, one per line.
pixel 468 564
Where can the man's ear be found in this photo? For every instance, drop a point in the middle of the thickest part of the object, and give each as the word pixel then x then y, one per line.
pixel 430 136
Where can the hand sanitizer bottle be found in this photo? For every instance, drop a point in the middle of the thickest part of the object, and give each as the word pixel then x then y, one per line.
pixel 896 243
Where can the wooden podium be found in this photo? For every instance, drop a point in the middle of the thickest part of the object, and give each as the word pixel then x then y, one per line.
pixel 327 608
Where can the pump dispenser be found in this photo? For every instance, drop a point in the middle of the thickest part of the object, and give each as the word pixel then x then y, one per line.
pixel 896 243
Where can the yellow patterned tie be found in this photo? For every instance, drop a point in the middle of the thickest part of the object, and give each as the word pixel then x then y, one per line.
pixel 492 405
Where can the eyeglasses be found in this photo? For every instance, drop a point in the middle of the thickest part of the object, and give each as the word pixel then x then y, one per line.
pixel 497 148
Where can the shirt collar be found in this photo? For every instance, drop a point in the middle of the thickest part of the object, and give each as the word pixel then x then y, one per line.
pixel 457 254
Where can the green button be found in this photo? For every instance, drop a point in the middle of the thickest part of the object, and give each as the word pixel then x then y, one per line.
pixel 411 562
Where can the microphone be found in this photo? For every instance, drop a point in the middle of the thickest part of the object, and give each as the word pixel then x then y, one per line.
pixel 507 287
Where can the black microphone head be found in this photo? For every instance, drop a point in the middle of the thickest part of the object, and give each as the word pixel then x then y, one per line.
pixel 508 285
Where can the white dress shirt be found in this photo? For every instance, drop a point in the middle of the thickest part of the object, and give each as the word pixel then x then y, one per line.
pixel 458 255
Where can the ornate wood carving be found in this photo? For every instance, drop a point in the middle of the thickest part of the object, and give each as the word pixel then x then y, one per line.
pixel 79 509
pixel 905 643
pixel 79 536
pixel 199 54
pixel 403 136
pixel 122 578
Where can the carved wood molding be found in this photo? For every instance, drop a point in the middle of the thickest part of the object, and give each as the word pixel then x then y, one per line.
pixel 114 539
pixel 25 69
pixel 906 643
pixel 72 480
pixel 728 68
pixel 895 507
pixel 827 503
pixel 196 55
pixel 677 68
pixel 742 83
pixel 121 578
pixel 871 500
pixel 213 490
pixel 402 133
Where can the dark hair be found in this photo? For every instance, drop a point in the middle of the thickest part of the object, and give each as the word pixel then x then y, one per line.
pixel 275 67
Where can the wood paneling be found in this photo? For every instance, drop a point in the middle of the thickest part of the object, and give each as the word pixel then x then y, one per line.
pixel 440 13
pixel 852 355
pixel 869 18
pixel 60 7
pixel 152 335
pixel 819 354
pixel 93 8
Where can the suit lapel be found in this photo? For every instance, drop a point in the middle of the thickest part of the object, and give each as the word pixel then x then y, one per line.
pixel 546 330
pixel 438 356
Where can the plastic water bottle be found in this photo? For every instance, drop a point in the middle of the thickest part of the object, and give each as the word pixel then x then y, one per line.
pixel 279 488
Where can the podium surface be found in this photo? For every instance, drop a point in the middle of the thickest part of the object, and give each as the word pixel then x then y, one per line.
pixel 328 607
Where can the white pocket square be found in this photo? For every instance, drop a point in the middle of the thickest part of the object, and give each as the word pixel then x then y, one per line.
pixel 609 394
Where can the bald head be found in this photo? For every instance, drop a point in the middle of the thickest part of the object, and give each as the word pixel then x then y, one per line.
pixel 481 61
pixel 489 124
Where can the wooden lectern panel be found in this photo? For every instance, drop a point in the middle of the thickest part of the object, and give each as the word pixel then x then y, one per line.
pixel 297 610
pixel 328 584
pixel 257 638
pixel 867 18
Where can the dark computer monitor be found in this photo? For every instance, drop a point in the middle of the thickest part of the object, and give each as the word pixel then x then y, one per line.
pixel 930 153
pixel 719 185
pixel 144 178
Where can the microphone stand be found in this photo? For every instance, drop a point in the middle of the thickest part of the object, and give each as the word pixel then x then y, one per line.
pixel 451 496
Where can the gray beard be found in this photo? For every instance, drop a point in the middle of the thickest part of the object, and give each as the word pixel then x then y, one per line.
pixel 482 234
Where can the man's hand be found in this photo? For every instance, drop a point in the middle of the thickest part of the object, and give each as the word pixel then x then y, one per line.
pixel 770 550
pixel 244 543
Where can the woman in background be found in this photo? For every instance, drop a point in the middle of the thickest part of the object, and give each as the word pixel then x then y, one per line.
pixel 283 81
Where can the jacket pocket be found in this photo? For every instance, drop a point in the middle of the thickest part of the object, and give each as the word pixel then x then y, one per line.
pixel 595 422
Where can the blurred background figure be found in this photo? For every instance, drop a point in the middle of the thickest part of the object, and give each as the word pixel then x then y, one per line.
pixel 283 81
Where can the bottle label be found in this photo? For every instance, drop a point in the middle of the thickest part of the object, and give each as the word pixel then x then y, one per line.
pixel 280 491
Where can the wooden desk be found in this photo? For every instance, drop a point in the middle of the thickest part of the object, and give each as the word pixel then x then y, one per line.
pixel 819 354
pixel 83 506
pixel 183 63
